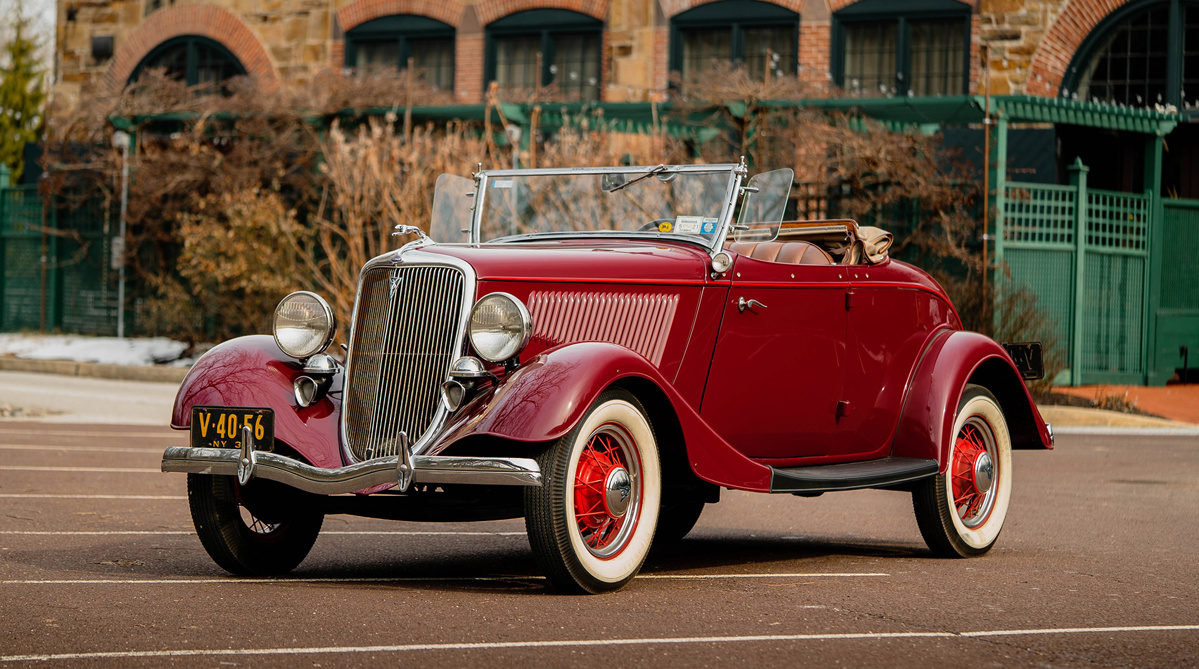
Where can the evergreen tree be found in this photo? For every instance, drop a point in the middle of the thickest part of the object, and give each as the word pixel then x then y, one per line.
pixel 22 93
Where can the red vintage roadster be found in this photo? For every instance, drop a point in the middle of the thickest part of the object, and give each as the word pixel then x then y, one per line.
pixel 600 351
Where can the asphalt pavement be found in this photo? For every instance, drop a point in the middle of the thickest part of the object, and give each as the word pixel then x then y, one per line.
pixel 99 566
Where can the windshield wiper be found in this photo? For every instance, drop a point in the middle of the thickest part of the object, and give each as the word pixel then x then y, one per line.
pixel 641 177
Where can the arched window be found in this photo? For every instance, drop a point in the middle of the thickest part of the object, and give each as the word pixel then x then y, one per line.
pixel 1142 54
pixel 390 41
pixel 758 35
pixel 886 48
pixel 566 43
pixel 192 59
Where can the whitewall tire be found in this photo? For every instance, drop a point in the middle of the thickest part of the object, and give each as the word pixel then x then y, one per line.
pixel 961 512
pixel 592 520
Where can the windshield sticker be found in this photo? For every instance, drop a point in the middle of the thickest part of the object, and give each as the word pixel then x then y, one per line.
pixel 688 224
pixel 665 226
pixel 708 226
pixel 501 183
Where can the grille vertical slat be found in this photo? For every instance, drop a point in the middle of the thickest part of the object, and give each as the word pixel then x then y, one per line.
pixel 402 349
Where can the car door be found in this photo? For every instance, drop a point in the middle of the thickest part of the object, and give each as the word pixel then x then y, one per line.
pixel 891 318
pixel 776 371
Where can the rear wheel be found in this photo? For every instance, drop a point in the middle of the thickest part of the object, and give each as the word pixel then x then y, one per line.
pixel 592 520
pixel 272 541
pixel 676 520
pixel 961 512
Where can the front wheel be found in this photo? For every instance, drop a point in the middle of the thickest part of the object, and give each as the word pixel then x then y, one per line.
pixel 592 520
pixel 961 512
pixel 273 541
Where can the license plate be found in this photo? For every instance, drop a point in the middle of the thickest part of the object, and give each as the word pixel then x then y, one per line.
pixel 1027 357
pixel 221 427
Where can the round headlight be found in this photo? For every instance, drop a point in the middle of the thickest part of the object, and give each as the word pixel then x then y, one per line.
pixel 303 324
pixel 500 327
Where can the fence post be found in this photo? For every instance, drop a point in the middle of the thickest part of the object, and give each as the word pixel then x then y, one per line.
pixel 1078 179
pixel 1153 259
pixel 4 176
pixel 998 169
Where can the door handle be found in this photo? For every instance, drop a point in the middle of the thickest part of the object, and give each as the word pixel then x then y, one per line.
pixel 742 303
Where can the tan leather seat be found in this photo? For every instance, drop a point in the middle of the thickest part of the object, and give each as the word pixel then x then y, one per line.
pixel 794 253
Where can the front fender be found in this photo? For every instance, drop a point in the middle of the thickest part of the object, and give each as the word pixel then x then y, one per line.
pixel 548 395
pixel 952 360
pixel 252 372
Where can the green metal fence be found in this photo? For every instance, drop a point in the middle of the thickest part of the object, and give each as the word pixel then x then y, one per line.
pixel 1092 286
pixel 56 265
pixel 21 238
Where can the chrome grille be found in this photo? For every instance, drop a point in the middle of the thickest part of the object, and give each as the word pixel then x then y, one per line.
pixel 400 352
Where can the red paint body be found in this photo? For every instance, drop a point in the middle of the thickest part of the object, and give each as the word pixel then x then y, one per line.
pixel 253 372
pixel 843 363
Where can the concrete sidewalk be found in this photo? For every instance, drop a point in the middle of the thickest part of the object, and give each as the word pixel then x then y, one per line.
pixel 76 399
pixel 1176 402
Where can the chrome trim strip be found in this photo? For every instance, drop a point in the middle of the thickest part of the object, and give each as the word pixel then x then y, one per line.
pixel 416 258
pixel 425 469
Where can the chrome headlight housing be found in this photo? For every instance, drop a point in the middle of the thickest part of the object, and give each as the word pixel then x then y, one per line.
pixel 303 324
pixel 500 327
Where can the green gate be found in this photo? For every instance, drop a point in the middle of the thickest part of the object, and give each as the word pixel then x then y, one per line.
pixel 56 265
pixel 1177 315
pixel 1092 286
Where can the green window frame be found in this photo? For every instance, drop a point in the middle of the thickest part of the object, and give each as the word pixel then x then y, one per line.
pixel 570 45
pixel 1148 49
pixel 739 31
pixel 884 48
pixel 389 41
pixel 194 59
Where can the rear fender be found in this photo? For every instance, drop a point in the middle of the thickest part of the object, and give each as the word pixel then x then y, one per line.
pixel 548 395
pixel 253 372
pixel 952 360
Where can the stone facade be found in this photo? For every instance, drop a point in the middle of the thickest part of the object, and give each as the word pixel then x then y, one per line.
pixel 1029 42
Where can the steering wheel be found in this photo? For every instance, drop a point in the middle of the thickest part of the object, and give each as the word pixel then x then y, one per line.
pixel 653 225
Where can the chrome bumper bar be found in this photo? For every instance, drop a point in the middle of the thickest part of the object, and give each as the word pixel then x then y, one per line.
pixel 424 469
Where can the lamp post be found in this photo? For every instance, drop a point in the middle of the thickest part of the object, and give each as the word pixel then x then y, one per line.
pixel 121 141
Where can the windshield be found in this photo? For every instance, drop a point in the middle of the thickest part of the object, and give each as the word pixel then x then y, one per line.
pixel 684 201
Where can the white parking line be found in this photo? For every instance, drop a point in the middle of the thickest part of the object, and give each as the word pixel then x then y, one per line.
pixel 502 645
pixel 1108 431
pixel 403 579
pixel 51 496
pixel 90 470
pixel 100 533
pixel 164 434
pixel 92 449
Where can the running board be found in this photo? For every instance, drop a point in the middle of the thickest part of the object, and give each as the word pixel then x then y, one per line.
pixel 851 475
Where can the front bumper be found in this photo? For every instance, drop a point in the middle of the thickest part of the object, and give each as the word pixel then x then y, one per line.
pixel 360 476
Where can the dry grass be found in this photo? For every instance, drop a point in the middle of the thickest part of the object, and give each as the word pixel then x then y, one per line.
pixel 330 194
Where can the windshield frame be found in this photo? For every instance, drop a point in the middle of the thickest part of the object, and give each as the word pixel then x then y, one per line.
pixel 736 172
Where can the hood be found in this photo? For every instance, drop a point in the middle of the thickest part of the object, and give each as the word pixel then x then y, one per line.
pixel 574 260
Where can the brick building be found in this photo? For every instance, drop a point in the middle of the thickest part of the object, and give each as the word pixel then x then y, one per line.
pixel 625 50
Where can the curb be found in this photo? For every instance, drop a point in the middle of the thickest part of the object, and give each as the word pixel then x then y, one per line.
pixel 96 370
pixel 1107 430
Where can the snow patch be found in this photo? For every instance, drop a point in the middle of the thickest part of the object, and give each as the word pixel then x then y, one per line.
pixel 109 350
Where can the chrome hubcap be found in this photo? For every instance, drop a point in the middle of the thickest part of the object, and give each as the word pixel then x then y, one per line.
pixel 618 492
pixel 984 472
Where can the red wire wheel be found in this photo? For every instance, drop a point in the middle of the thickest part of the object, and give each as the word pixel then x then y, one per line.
pixel 973 471
pixel 607 491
